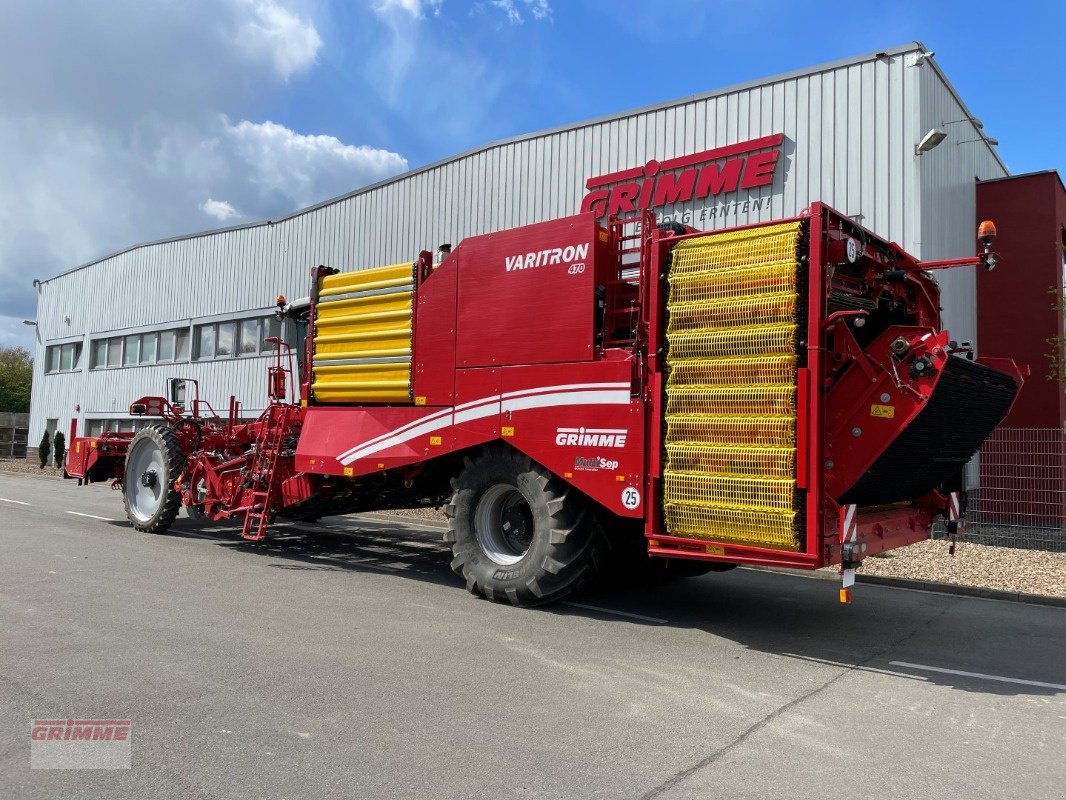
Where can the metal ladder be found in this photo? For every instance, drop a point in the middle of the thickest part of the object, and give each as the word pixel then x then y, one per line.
pixel 261 472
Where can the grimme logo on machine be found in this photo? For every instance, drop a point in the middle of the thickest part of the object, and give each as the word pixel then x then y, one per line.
pixel 591 437
pixel 745 165
pixel 545 258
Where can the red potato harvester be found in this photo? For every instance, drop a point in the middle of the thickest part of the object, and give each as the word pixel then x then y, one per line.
pixel 581 398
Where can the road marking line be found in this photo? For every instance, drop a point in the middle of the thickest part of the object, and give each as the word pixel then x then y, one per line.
pixel 616 613
pixel 965 674
pixel 90 516
pixel 16 502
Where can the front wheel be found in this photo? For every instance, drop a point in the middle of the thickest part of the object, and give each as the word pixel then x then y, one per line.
pixel 153 463
pixel 518 533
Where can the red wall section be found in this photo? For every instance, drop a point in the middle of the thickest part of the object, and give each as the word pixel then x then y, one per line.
pixel 1016 314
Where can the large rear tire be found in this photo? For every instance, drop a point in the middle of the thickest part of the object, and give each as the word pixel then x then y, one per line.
pixel 518 533
pixel 154 461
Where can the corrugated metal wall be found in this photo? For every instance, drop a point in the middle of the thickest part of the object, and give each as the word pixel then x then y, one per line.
pixel 948 195
pixel 849 127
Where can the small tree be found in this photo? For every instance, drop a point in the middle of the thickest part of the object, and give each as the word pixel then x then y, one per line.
pixel 60 448
pixel 44 449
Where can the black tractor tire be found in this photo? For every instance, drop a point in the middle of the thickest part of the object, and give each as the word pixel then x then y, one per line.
pixel 152 503
pixel 518 533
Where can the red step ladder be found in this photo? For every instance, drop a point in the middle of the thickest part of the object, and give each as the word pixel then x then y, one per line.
pixel 262 472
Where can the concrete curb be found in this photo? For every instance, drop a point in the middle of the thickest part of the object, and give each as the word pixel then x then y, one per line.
pixel 927 586
pixel 965 591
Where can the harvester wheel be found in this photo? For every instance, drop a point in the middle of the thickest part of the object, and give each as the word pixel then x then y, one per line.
pixel 154 461
pixel 518 533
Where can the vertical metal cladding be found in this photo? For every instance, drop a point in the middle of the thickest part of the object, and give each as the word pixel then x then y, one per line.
pixel 362 343
pixel 731 389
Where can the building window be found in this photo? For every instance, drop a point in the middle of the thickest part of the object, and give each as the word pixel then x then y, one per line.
pixel 114 352
pixel 140 349
pixel 132 352
pixel 249 337
pixel 148 347
pixel 226 335
pixel 62 357
pixel 232 339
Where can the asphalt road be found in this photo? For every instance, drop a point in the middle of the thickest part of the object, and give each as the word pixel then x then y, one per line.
pixel 347 661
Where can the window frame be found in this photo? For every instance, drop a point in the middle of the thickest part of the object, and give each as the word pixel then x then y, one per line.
pixel 54 355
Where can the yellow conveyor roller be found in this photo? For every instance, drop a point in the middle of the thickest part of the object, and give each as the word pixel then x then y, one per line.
pixel 731 387
pixel 362 342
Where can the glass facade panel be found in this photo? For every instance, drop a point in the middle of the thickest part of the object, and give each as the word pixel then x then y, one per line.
pixel 99 354
pixel 272 326
pixel 114 352
pixel 148 348
pixel 205 342
pixel 250 336
pixel 226 335
pixel 181 345
pixel 166 346
pixel 132 351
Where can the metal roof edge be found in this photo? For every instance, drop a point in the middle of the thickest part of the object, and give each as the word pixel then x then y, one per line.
pixel 1032 174
pixel 954 93
pixel 737 87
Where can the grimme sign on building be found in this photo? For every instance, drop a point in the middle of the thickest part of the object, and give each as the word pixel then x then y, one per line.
pixel 713 176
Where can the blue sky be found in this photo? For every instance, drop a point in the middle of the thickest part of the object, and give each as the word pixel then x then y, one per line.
pixel 599 57
pixel 129 120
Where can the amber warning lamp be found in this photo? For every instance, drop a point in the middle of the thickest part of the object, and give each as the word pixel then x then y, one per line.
pixel 281 301
pixel 986 234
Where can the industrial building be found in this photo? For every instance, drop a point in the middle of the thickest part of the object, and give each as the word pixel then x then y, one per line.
pixel 883 137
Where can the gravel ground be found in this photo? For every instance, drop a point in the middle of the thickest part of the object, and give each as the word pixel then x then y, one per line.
pixel 27 467
pixel 1005 568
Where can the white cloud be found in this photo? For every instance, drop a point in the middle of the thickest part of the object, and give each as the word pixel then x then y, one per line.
pixel 289 42
pixel 121 133
pixel 219 209
pixel 415 8
pixel 538 9
pixel 287 167
pixel 508 8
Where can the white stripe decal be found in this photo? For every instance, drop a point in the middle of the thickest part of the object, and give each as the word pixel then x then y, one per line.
pixel 473 403
pixel 487 407
pixel 566 387
pixel 617 397
pixel 479 412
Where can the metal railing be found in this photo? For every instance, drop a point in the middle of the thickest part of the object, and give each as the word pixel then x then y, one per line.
pixel 1021 499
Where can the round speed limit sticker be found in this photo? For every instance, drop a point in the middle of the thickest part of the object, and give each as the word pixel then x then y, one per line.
pixel 631 497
